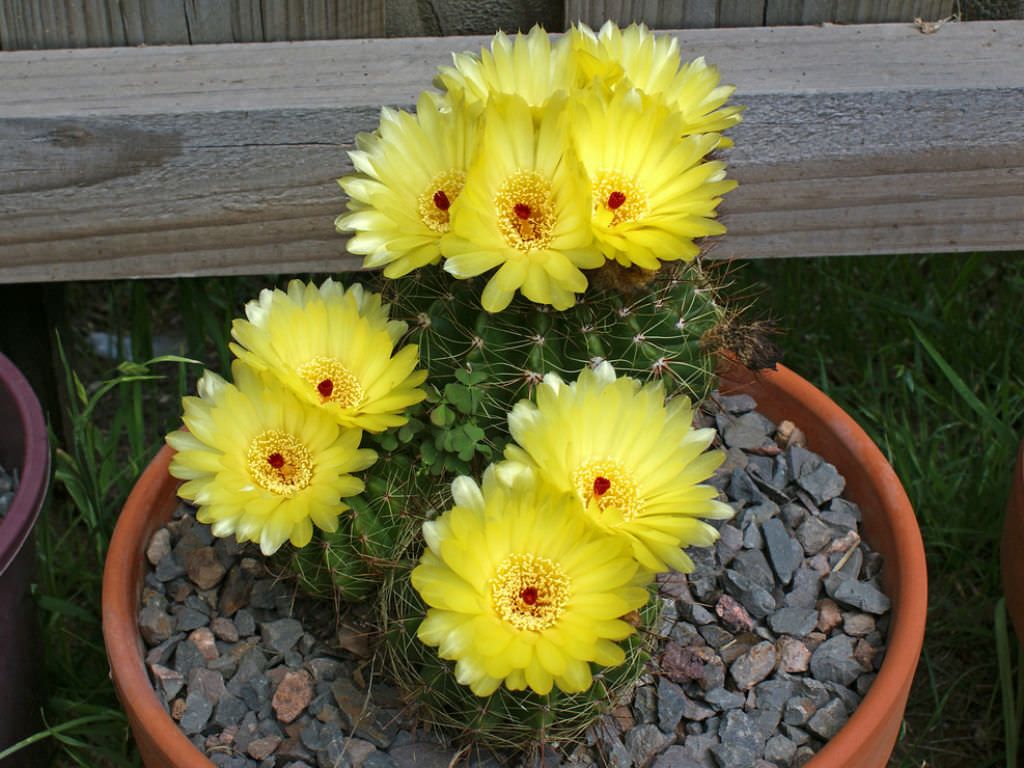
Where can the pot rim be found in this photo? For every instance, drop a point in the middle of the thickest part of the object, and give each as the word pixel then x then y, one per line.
pixel 905 638
pixel 16 525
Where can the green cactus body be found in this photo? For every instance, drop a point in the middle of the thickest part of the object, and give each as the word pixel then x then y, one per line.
pixel 654 334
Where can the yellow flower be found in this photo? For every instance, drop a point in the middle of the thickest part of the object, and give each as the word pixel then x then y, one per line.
pixel 261 464
pixel 652 64
pixel 633 461
pixel 409 174
pixel 525 208
pixel 527 66
pixel 521 590
pixel 652 195
pixel 333 348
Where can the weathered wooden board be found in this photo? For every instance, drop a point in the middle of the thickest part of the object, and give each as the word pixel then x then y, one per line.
pixel 34 24
pixel 222 159
pixel 740 13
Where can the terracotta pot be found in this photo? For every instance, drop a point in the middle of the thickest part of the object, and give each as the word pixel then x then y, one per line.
pixel 1012 548
pixel 889 524
pixel 23 445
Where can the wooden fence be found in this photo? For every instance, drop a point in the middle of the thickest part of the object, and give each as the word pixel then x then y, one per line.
pixel 40 24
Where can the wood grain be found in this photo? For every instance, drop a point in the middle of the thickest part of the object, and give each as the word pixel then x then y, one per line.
pixel 43 24
pixel 222 159
pixel 663 14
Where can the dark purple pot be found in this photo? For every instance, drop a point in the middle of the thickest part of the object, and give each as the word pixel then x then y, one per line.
pixel 23 445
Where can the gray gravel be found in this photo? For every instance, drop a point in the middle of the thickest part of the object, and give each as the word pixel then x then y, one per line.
pixel 763 652
pixel 8 487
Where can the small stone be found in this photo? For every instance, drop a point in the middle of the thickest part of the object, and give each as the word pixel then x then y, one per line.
pixel 733 614
pixel 224 629
pixel 170 681
pixel 645 704
pixel 823 483
pixel 177 708
pixel 698 664
pixel 196 713
pixel 736 404
pixel 813 535
pixel 746 432
pixel 805 589
pixel 230 711
pixel 833 661
pixel 202 638
pixel 779 750
pixel 797 622
pixel 752 538
pixel 234 594
pixel 827 721
pixel 671 703
pixel 794 656
pixel 645 742
pixel 715 636
pixel 205 568
pixel 730 542
pixel 293 695
pixel 864 683
pixel 788 434
pixel 858 624
pixel 793 515
pixel 186 658
pixel 799 710
pixel 865 654
pixel 187 618
pixel 244 622
pixel 758 601
pixel 377 726
pixel 159 546
pixel 743 488
pixel 263 747
pixel 754 666
pixel 842 514
pixel 358 751
pixel 829 616
pixel 857 594
pixel 741 741
pixel 698 614
pixel 754 565
pixel 422 755
pixel 169 568
pixel 722 699
pixel 162 653
pixel 155 624
pixel 785 552
pixel 281 635
pixel 677 757
pixel 759 513
pixel 606 735
pixel 207 682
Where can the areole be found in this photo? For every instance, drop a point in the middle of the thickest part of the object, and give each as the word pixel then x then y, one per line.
pixel 889 524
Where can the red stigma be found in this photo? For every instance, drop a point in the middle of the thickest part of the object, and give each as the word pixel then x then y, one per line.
pixel 325 388
pixel 529 595
pixel 601 485
pixel 441 200
pixel 616 199
pixel 522 210
pixel 276 460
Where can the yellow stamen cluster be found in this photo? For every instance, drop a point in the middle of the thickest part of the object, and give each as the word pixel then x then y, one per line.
pixel 615 192
pixel 279 462
pixel 333 381
pixel 609 484
pixel 437 197
pixel 525 211
pixel 529 592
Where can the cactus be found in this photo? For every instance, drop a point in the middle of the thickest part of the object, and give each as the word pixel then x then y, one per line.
pixel 506 720
pixel 481 365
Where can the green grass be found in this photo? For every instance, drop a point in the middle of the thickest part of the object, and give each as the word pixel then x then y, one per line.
pixel 924 351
